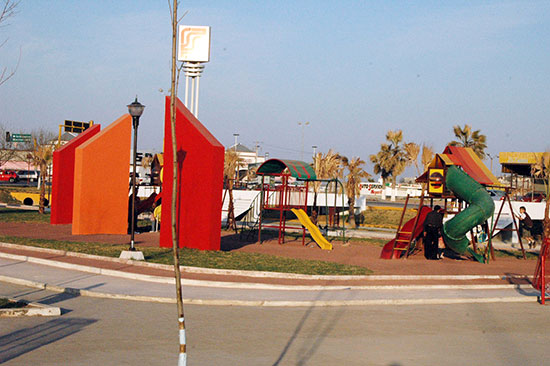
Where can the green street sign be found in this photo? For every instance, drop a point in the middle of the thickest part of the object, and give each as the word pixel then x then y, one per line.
pixel 21 137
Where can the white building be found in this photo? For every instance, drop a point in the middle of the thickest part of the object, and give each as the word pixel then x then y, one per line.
pixel 248 157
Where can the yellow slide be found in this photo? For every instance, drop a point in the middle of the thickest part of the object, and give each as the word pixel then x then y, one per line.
pixel 313 229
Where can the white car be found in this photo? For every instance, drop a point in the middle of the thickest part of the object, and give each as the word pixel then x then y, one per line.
pixel 30 175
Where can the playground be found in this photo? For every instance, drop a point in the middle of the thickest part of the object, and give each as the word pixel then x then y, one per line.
pixel 281 225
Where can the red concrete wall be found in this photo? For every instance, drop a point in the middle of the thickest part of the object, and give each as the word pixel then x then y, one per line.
pixel 200 183
pixel 63 177
pixel 101 181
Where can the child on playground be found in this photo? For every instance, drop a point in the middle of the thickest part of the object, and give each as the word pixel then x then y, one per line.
pixel 526 226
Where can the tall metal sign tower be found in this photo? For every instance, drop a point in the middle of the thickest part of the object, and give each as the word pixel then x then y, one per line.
pixel 193 51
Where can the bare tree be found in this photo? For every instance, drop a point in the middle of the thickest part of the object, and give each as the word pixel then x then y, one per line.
pixel 7 152
pixel 230 164
pixel 8 10
pixel 182 359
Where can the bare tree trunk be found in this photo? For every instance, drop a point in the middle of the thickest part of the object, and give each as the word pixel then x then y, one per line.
pixel 231 207
pixel 384 188
pixel 546 221
pixel 392 188
pixel 43 179
pixel 314 216
pixel 351 204
pixel 182 359
pixel 351 215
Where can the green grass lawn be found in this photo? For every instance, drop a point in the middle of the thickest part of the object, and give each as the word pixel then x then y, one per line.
pixel 385 218
pixel 17 215
pixel 501 253
pixel 206 259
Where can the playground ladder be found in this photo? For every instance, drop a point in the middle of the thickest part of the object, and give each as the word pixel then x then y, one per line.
pixel 407 236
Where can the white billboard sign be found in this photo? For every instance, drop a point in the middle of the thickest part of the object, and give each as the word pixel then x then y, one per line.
pixel 194 43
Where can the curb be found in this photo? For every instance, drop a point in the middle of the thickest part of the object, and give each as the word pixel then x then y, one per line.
pixel 268 303
pixel 253 274
pixel 32 309
pixel 261 286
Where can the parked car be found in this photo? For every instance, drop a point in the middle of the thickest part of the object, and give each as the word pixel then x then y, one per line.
pixel 30 175
pixel 535 197
pixel 496 194
pixel 8 176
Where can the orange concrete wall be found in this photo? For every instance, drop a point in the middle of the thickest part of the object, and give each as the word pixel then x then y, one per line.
pixel 100 204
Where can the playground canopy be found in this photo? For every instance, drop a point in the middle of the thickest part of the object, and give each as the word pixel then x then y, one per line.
pixel 297 169
pixel 518 162
pixel 465 158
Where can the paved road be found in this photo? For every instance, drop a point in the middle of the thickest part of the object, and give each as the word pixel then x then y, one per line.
pixel 244 292
pixel 115 332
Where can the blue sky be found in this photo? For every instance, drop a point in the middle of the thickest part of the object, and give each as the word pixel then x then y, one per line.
pixel 353 69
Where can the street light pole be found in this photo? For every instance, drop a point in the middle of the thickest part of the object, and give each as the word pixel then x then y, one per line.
pixel 314 147
pixel 135 109
pixel 236 135
pixel 491 157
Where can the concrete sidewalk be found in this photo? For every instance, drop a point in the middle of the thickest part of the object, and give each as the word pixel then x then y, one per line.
pixel 101 285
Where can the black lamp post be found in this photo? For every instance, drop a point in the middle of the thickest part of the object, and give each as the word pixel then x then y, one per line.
pixel 135 109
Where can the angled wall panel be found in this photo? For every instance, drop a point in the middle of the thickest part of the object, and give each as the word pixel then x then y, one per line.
pixel 101 181
pixel 63 177
pixel 200 183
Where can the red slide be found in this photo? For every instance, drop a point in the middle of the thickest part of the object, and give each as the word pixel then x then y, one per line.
pixel 387 250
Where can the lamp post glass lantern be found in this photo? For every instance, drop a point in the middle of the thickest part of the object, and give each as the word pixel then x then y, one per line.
pixel 135 109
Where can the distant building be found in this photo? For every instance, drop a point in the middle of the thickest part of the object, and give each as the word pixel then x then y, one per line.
pixel 249 158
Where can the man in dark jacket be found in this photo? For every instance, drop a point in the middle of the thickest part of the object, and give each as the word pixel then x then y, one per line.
pixel 432 231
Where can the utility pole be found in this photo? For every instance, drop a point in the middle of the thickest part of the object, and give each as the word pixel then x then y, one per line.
pixel 303 124
pixel 256 148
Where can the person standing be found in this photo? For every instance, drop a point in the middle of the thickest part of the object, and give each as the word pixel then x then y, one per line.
pixel 526 226
pixel 432 231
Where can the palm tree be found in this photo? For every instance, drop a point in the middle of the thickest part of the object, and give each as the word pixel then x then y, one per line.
pixel 42 156
pixel 380 161
pixel 468 138
pixel 541 169
pixel 326 167
pixel 392 159
pixel 353 182
pixel 251 174
pixel 230 165
pixel 427 156
pixel 412 150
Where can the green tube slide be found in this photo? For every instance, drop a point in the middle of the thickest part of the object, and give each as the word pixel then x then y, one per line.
pixel 481 207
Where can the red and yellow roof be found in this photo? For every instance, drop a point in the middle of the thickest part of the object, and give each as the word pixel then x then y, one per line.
pixel 465 158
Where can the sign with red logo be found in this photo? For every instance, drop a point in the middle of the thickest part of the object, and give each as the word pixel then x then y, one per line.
pixel 194 43
pixel 436 179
